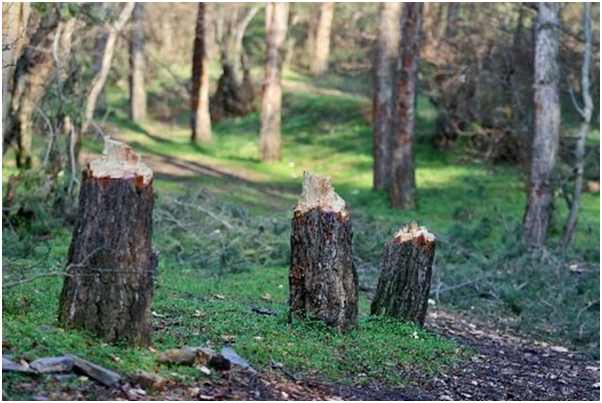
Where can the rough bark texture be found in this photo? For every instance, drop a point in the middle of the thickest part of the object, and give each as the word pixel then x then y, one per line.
pixel 319 64
pixel 403 194
pixel 405 279
pixel 586 117
pixel 137 65
pixel 199 99
pixel 111 265
pixel 271 94
pixel 383 102
pixel 547 123
pixel 322 279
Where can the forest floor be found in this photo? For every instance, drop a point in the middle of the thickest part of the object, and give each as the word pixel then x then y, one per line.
pixel 503 367
pixel 501 327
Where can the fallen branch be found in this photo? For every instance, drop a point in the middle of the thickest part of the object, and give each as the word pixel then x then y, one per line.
pixel 204 210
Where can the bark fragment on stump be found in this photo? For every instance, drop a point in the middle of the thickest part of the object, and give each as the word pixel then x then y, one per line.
pixel 322 278
pixel 111 265
pixel 405 278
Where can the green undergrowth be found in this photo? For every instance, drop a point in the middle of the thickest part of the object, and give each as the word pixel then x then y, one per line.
pixel 222 227
pixel 193 308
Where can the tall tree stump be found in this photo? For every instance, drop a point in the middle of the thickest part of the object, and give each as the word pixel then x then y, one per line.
pixel 405 278
pixel 323 281
pixel 109 281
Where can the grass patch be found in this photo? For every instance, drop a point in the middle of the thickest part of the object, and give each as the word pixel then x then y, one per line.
pixel 188 313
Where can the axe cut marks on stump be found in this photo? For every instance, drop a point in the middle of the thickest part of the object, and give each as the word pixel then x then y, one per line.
pixel 405 278
pixel 322 278
pixel 111 264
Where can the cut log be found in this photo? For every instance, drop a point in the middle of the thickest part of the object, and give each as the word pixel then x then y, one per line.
pixel 52 364
pixel 323 280
pixel 96 372
pixel 405 278
pixel 111 265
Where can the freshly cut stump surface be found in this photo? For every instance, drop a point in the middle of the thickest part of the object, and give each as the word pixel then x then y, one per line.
pixel 111 264
pixel 323 280
pixel 405 279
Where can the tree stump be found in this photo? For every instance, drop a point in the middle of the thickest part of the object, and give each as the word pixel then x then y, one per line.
pixel 405 278
pixel 323 281
pixel 109 278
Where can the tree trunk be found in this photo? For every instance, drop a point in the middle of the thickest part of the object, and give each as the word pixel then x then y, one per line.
pixel 319 64
pixel 547 122
pixel 271 94
pixel 100 11
pixel 30 79
pixel 403 194
pixel 405 278
pixel 200 118
pixel 453 14
pixel 383 102
pixel 99 79
pixel 586 117
pixel 13 38
pixel 137 65
pixel 323 281
pixel 231 97
pixel 111 264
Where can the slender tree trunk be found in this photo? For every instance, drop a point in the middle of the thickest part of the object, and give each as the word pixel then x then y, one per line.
pixel 383 102
pixel 453 14
pixel 30 79
pixel 547 123
pixel 235 93
pixel 238 36
pixel 13 39
pixel 586 116
pixel 100 10
pixel 98 81
pixel 271 101
pixel 200 119
pixel 405 276
pixel 137 65
pixel 319 64
pixel 111 264
pixel 403 195
pixel 322 278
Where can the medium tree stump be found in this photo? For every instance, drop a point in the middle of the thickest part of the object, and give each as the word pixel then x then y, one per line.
pixel 323 281
pixel 405 278
pixel 111 265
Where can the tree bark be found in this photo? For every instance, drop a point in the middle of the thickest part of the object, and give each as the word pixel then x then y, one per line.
pixel 111 264
pixel 547 122
pixel 100 11
pixel 403 194
pixel 383 102
pixel 271 95
pixel 200 118
pixel 453 14
pixel 319 64
pixel 137 65
pixel 13 39
pixel 99 79
pixel 586 117
pixel 231 97
pixel 30 78
pixel 405 279
pixel 323 281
